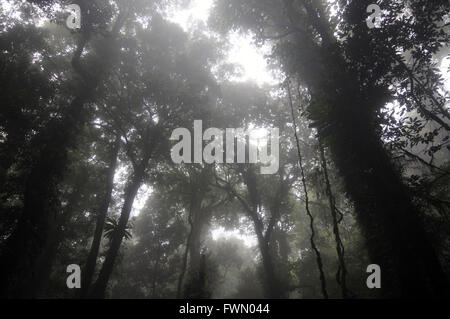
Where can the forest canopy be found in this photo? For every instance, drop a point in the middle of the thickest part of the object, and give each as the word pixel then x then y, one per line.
pixel 138 161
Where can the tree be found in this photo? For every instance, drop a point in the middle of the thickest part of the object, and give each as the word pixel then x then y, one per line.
pixel 146 110
pixel 340 90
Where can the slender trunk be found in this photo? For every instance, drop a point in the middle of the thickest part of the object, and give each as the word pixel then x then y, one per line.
pixel 156 270
pixel 89 269
pixel 272 287
pixel 197 220
pixel 196 237
pixel 280 237
pixel 107 268
pixel 202 293
pixel 131 191
pixel 183 268
pixel 186 251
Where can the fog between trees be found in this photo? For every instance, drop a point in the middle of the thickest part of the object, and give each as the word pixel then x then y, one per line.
pixel 86 120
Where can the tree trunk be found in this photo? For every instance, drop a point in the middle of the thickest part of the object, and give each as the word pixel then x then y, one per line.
pixel 198 218
pixel 89 269
pixel 395 237
pixel 130 194
pixel 37 226
pixel 394 233
pixel 272 287
pixel 346 117
pixel 183 267
pixel 196 238
pixel 156 270
pixel 46 261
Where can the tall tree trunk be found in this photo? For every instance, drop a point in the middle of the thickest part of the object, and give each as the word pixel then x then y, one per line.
pixel 198 218
pixel 196 238
pixel 131 191
pixel 272 287
pixel 281 239
pixel 37 226
pixel 107 268
pixel 45 262
pixel 89 269
pixel 156 270
pixel 395 236
pixel 184 266
pixel 192 207
pixel 394 233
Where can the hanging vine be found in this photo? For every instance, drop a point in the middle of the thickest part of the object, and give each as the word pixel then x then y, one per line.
pixel 341 273
pixel 308 212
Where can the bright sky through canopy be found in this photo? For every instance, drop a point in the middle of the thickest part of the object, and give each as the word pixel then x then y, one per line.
pixel 242 52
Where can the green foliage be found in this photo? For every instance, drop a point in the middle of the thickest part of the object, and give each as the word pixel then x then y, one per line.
pixel 111 227
pixel 374 98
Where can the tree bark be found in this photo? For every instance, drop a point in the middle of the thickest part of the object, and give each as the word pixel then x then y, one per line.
pixel 156 270
pixel 345 114
pixel 89 269
pixel 198 218
pixel 131 191
pixel 272 286
pixel 395 236
pixel 37 226
pixel 44 265
pixel 187 248
pixel 107 268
